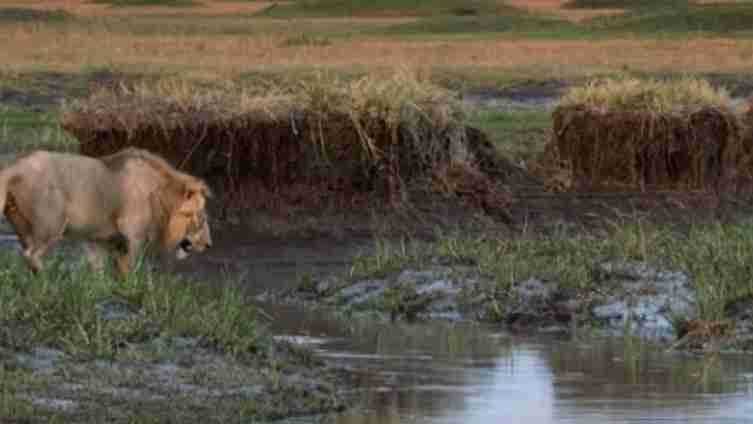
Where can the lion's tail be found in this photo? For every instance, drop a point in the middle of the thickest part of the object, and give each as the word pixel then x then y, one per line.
pixel 6 174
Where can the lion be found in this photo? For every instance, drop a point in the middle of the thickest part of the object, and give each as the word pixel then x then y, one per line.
pixel 118 203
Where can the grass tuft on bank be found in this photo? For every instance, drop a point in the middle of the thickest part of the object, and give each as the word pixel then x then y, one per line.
pixel 716 257
pixel 22 130
pixel 91 316
pixel 20 15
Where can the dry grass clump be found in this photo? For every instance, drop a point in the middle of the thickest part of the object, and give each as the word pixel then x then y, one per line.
pixel 172 104
pixel 746 168
pixel 646 134
pixel 631 94
pixel 703 335
pixel 302 140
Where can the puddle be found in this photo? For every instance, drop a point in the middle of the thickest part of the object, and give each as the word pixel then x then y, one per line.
pixel 511 101
pixel 546 382
pixel 465 373
pixel 546 99
pixel 264 265
pixel 469 373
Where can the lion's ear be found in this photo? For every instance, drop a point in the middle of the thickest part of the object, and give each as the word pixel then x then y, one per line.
pixel 193 201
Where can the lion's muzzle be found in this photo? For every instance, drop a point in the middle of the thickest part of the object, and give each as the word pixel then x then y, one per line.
pixel 197 239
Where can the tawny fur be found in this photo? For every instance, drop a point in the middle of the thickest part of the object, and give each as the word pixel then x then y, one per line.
pixel 116 203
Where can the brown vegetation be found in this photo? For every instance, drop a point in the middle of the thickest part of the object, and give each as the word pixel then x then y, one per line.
pixel 645 150
pixel 703 335
pixel 300 146
pixel 647 136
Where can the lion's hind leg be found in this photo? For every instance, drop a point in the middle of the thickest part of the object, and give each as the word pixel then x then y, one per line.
pixel 20 224
pixel 25 231
pixel 37 250
pixel 38 216
pixel 44 235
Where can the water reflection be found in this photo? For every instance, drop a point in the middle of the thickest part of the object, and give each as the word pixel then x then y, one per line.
pixel 441 374
pixel 471 374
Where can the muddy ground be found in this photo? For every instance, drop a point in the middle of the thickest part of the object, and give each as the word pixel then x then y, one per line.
pixel 187 379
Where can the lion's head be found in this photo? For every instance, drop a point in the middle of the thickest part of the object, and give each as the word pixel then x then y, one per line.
pixel 187 224
pixel 197 238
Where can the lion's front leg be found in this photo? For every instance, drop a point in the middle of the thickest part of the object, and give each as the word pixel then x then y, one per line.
pixel 95 255
pixel 124 265
pixel 125 256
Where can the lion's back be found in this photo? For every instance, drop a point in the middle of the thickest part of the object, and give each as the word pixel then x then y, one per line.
pixel 82 187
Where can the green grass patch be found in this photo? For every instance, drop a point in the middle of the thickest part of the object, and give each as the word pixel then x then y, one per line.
pixel 24 15
pixel 342 8
pixel 518 133
pixel 722 19
pixel 625 4
pixel 642 19
pixel 64 307
pixel 23 129
pixel 24 119
pixel 513 24
pixel 718 259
